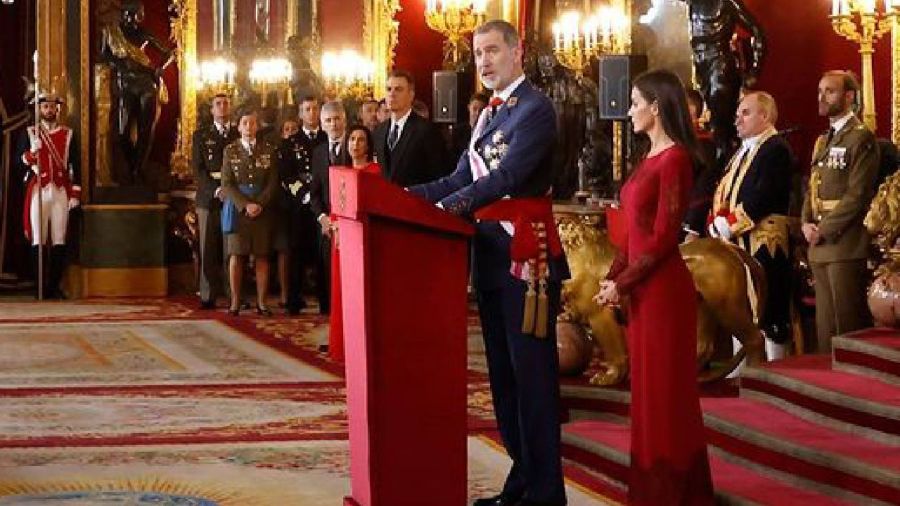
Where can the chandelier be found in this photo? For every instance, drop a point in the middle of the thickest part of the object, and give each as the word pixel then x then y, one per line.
pixel 576 42
pixel 216 76
pixel 454 19
pixel 271 74
pixel 861 22
pixel 347 74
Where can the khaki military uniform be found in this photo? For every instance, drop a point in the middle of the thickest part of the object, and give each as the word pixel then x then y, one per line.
pixel 251 177
pixel 206 160
pixel 841 187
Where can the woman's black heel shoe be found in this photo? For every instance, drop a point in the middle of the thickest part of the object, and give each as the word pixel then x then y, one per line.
pixel 263 311
pixel 234 312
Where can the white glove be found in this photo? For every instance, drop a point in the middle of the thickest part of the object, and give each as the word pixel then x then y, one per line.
pixel 722 227
pixel 35 143
pixel 73 203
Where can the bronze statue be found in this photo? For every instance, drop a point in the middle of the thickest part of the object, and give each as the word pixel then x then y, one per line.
pixel 720 67
pixel 137 90
pixel 584 156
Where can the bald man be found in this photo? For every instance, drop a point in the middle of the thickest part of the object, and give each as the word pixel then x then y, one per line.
pixel 750 208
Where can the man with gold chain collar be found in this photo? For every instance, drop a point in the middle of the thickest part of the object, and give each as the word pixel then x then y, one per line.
pixel 841 185
pixel 750 209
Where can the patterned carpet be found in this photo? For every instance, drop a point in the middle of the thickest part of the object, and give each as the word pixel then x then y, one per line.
pixel 141 353
pixel 307 473
pixel 151 402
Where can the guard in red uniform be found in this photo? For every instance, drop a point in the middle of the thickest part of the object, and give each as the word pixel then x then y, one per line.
pixel 47 157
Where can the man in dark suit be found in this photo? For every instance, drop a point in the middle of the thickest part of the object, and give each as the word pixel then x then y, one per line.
pixel 209 142
pixel 334 120
pixel 518 269
pixel 409 148
pixel 750 208
pixel 841 186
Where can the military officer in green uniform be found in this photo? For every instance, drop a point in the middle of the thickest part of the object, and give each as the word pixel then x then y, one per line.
pixel 250 183
pixel 206 158
pixel 841 186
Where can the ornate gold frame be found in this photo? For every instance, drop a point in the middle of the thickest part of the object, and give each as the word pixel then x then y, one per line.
pixel 895 79
pixel 184 35
pixel 380 36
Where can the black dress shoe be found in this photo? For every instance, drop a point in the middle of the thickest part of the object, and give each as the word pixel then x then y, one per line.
pixel 497 500
pixel 207 304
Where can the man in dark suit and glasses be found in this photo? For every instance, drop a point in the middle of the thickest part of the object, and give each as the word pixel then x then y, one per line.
pixel 334 121
pixel 409 148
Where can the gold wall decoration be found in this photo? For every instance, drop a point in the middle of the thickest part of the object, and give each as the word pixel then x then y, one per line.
pixel 380 33
pixel 86 133
pixel 52 48
pixel 184 35
pixel 103 140
pixel 895 72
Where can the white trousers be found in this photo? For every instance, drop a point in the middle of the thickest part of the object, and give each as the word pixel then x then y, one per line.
pixel 54 211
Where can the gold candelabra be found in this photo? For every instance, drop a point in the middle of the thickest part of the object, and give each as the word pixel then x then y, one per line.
pixel 347 75
pixel 216 75
pixel 454 19
pixel 861 21
pixel 575 42
pixel 271 74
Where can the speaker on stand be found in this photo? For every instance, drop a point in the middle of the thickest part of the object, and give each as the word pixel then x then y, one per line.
pixel 617 73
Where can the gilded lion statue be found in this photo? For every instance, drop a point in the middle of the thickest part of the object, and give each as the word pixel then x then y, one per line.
pixel 721 273
pixel 883 218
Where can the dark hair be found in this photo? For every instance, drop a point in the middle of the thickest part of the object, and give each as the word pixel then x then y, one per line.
pixel 480 96
pixel 310 98
pixel 248 111
pixel 694 97
pixel 405 74
pixel 666 89
pixel 370 145
pixel 509 32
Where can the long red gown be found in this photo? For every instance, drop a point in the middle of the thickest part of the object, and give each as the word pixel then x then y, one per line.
pixel 336 328
pixel 669 463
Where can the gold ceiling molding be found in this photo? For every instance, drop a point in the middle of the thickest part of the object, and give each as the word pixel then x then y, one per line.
pixel 380 36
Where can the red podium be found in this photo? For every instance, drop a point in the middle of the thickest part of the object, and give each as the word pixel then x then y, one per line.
pixel 403 281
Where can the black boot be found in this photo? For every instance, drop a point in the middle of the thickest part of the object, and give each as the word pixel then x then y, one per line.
pixel 35 269
pixel 55 272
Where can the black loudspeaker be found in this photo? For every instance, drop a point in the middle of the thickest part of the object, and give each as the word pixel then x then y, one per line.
pixel 445 93
pixel 616 74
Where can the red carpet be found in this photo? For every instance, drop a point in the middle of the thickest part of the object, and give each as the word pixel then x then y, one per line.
pixel 811 385
pixel 806 430
pixel 874 352
pixel 605 445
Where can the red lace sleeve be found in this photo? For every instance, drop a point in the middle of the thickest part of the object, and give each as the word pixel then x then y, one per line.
pixel 619 264
pixel 673 183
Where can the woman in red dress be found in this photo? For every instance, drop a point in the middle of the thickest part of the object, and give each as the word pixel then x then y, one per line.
pixel 359 151
pixel 669 463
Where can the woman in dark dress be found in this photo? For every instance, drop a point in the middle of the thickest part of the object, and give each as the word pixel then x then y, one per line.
pixel 669 463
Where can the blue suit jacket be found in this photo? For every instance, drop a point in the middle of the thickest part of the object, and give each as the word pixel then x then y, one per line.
pixel 527 126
